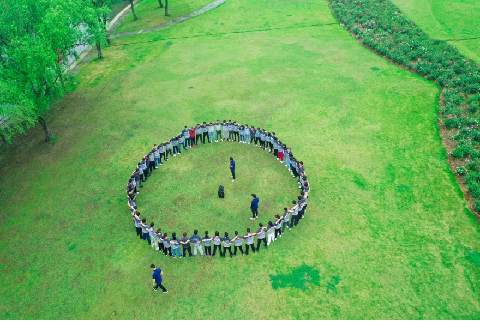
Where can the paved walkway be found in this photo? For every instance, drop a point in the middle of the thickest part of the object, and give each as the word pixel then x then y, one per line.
pixel 208 7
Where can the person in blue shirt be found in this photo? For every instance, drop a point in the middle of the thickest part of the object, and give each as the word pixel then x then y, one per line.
pixel 157 277
pixel 254 207
pixel 232 168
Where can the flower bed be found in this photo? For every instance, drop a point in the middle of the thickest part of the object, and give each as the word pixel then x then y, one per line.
pixel 380 25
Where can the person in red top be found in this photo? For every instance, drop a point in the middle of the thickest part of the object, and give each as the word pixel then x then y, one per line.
pixel 192 136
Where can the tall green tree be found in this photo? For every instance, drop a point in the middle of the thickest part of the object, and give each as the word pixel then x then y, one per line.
pixel 96 19
pixel 36 39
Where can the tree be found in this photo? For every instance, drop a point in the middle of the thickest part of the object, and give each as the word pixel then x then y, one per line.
pixel 166 7
pixel 36 39
pixel 160 3
pixel 96 20
pixel 133 10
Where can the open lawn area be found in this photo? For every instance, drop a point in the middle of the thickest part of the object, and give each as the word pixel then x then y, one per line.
pixel 386 235
pixel 453 20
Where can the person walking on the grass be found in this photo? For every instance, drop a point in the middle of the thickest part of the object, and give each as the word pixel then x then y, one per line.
pixel 157 277
pixel 254 207
pixel 232 168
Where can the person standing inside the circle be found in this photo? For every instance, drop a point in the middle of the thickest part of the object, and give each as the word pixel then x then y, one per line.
pixel 157 277
pixel 232 168
pixel 254 207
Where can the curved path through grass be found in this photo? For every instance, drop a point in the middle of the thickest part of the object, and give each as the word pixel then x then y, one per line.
pixel 208 7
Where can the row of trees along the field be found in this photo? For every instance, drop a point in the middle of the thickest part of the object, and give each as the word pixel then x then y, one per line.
pixel 36 39
pixel 159 2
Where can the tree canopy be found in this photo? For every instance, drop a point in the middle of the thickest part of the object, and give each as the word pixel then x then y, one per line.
pixel 36 39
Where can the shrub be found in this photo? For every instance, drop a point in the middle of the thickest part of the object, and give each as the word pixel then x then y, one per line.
pixel 463 149
pixel 452 123
pixel 380 25
pixel 461 170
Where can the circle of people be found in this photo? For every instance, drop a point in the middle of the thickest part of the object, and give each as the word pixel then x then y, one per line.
pixel 190 137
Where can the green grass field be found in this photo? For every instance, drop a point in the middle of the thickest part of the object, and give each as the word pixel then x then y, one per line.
pixel 387 234
pixel 456 21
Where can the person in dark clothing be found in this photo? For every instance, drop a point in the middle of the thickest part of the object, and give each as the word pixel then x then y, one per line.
pixel 138 181
pixel 146 172
pixel 278 225
pixel 293 166
pixel 252 134
pixel 168 147
pixel 157 277
pixel 254 206
pixel 236 129
pixel 151 161
pixel 232 168
pixel 161 152
pixel 185 241
pixel 166 244
pixel 159 237
pixel 217 244
pixel 145 169
pixel 237 241
pixel 227 245
pixel 208 244
pixel 204 132
pixel 138 228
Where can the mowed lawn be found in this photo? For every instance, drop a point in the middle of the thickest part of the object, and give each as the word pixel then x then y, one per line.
pixel 453 20
pixel 387 234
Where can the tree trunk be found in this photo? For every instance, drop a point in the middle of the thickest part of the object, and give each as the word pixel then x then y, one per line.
pixel 62 81
pixel 4 140
pixel 133 10
pixel 166 7
pixel 160 3
pixel 48 134
pixel 105 19
pixel 99 51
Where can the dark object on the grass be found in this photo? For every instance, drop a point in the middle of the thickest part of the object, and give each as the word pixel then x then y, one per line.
pixel 221 192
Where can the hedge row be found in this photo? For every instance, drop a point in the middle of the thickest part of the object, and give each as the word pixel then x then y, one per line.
pixel 380 25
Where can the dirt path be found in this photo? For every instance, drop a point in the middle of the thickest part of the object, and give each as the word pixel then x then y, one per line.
pixel 208 7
